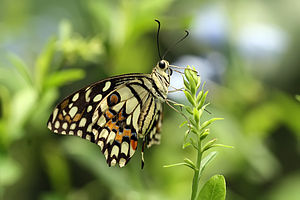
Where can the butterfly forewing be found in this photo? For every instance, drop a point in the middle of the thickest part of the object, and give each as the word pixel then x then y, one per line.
pixel 112 113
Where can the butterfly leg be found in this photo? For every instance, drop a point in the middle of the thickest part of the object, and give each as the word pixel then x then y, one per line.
pixel 142 152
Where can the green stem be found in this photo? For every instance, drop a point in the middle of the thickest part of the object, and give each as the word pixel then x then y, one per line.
pixel 197 174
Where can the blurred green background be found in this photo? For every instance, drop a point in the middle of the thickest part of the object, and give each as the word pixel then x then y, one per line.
pixel 246 51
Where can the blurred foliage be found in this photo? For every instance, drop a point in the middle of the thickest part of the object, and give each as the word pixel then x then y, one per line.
pixel 247 52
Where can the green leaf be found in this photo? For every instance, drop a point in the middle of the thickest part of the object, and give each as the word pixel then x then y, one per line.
pixel 208 122
pixel 209 144
pixel 189 110
pixel 213 189
pixel 190 163
pixel 196 115
pixel 61 77
pixel 205 161
pixel 189 97
pixel 179 164
pixel 204 134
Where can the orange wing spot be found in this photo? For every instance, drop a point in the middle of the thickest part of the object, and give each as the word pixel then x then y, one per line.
pixel 64 104
pixel 111 125
pixel 77 117
pixel 114 99
pixel 119 137
pixel 68 119
pixel 133 144
pixel 60 117
pixel 109 114
pixel 127 132
pixel 121 116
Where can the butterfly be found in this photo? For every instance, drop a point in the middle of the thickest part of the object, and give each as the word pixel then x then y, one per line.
pixel 116 112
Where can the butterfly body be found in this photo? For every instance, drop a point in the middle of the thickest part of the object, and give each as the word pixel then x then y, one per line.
pixel 115 112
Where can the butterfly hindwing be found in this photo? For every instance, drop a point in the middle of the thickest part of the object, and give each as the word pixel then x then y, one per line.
pixel 106 113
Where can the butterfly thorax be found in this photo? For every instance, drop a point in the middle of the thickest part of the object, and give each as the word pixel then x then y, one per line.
pixel 161 79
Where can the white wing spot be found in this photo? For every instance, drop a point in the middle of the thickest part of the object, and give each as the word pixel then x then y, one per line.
pixel 136 115
pixel 55 131
pixel 101 144
pixel 70 105
pixel 65 125
pixel 107 86
pixel 54 114
pixel 75 97
pixel 88 137
pixel 124 148
pixel 113 162
pixel 79 133
pixel 56 125
pixel 97 98
pixel 64 113
pixel 89 108
pixel 122 162
pixel 71 132
pixel 87 95
pixel 73 111
pixel 128 120
pixel 131 151
pixel 89 128
pixel 96 133
pixel 73 126
pixel 101 121
pixel 104 133
pixel 111 137
pixel 63 132
pixel 49 126
pixel 106 154
pixel 115 151
pixel 82 122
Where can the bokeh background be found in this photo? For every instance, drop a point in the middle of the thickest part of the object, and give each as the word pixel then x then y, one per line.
pixel 246 51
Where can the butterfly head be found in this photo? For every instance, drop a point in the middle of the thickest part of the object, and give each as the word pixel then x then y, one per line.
pixel 161 76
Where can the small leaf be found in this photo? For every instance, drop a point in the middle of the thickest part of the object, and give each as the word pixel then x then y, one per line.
pixel 207 123
pixel 61 77
pixel 186 84
pixel 179 164
pixel 222 145
pixel 209 144
pixel 199 96
pixel 204 134
pixel 202 100
pixel 183 123
pixel 190 163
pixel 205 161
pixel 213 189
pixel 189 97
pixel 196 115
pixel 189 110
pixel 185 145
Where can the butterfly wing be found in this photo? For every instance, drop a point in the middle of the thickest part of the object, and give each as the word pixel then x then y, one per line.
pixel 106 113
pixel 154 136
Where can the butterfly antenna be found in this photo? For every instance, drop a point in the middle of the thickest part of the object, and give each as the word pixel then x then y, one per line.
pixel 180 40
pixel 157 39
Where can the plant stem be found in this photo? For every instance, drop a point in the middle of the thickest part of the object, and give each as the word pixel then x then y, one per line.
pixel 197 174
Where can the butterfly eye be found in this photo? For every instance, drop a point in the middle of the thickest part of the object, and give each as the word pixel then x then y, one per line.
pixel 162 64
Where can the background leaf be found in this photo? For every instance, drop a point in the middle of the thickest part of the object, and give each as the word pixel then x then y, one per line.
pixel 213 189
